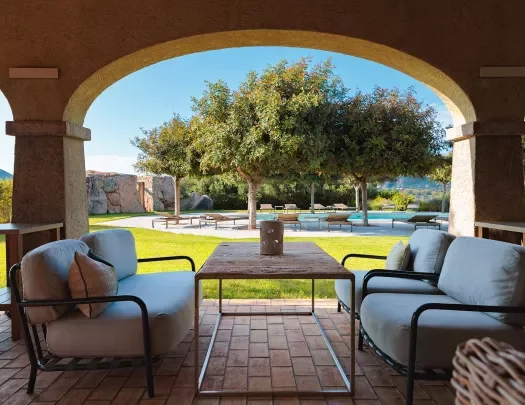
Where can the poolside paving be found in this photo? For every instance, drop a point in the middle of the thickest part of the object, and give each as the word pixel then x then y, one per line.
pixel 229 231
pixel 256 352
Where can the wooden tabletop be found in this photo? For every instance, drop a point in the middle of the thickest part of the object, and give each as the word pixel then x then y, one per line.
pixel 512 226
pixel 300 260
pixel 27 228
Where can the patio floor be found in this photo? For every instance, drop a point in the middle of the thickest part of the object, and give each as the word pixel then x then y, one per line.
pixel 257 352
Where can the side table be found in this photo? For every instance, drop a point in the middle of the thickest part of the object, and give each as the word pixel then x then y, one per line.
pixel 14 240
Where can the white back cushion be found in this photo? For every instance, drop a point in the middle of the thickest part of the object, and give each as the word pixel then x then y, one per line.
pixel 117 247
pixel 428 249
pixel 485 272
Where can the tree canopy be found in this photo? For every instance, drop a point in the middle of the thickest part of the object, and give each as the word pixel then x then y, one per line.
pixel 387 133
pixel 167 149
pixel 296 121
pixel 275 123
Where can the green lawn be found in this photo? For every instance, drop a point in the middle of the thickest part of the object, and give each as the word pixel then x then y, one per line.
pixel 152 243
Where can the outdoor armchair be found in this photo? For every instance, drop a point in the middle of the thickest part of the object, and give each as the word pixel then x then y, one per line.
pixel 427 254
pixel 483 295
pixel 148 317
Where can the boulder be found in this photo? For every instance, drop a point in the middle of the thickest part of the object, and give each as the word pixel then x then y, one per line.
pixel 159 193
pixel 97 200
pixel 196 202
pixel 120 191
pixel 205 203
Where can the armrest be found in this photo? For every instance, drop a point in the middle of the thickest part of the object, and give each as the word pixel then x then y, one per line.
pixel 450 307
pixel 363 256
pixel 165 258
pixel 411 275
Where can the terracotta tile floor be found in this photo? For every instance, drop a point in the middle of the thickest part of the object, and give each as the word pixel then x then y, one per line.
pixel 255 352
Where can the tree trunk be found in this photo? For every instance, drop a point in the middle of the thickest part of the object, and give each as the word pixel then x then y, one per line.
pixel 176 185
pixel 444 198
pixel 364 198
pixel 252 204
pixel 357 204
pixel 312 198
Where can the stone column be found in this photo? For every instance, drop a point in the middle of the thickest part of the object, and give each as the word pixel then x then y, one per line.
pixel 49 175
pixel 487 175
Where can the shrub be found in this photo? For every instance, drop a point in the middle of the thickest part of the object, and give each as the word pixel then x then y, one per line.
pixel 377 203
pixel 6 192
pixel 434 204
pixel 401 200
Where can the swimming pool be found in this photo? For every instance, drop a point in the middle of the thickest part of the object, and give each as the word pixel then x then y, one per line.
pixel 379 215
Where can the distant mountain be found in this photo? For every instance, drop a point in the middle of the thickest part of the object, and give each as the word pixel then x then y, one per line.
pixel 411 183
pixel 4 175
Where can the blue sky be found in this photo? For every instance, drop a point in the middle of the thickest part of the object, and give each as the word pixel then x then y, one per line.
pixel 150 96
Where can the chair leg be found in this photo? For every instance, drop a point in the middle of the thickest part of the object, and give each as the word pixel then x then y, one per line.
pixel 360 341
pixel 338 306
pixel 149 378
pixel 32 380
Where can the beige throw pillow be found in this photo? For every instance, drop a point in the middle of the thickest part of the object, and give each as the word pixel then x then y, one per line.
pixel 91 278
pixel 399 257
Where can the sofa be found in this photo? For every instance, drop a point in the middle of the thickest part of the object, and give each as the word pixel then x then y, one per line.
pixel 148 317
pixel 481 294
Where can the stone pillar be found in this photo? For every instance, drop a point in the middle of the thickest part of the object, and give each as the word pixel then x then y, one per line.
pixel 49 175
pixel 487 175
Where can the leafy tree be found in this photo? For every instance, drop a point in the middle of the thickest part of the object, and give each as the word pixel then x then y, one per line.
pixel 442 173
pixel 6 192
pixel 274 124
pixel 167 150
pixel 387 133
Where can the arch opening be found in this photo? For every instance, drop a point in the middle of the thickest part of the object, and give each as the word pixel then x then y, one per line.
pixel 454 98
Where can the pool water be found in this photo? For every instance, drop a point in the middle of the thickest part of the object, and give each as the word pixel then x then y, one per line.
pixel 353 215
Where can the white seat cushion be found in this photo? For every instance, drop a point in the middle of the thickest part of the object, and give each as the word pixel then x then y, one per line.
pixel 380 284
pixel 386 319
pixel 117 247
pixel 486 272
pixel 117 332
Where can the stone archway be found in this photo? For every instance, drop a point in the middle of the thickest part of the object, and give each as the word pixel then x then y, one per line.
pixel 456 100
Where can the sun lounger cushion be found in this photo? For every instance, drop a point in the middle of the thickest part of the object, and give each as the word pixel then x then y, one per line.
pixel 44 277
pixel 118 330
pixel 486 272
pixel 288 217
pixel 337 218
pixel 386 319
pixel 380 285
pixel 428 249
pixel 398 257
pixel 116 246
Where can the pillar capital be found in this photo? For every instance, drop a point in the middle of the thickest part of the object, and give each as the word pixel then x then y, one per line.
pixel 47 128
pixel 486 128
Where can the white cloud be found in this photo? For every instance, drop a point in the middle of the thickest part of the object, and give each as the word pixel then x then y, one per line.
pixel 111 163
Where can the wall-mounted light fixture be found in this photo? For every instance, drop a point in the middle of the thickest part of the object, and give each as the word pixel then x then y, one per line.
pixel 33 73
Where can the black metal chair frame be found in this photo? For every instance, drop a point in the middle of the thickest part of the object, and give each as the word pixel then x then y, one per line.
pixel 39 361
pixel 409 370
pixel 341 304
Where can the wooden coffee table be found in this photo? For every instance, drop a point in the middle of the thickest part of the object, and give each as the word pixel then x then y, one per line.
pixel 301 260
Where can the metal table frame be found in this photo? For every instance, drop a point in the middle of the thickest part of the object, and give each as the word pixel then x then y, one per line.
pixel 335 392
